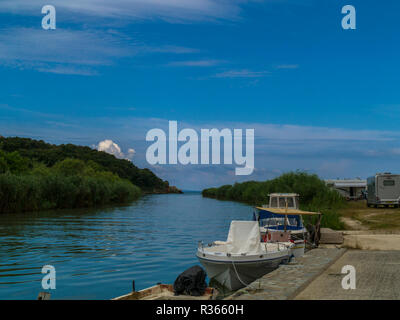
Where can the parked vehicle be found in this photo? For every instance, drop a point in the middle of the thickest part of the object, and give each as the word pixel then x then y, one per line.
pixel 350 189
pixel 383 190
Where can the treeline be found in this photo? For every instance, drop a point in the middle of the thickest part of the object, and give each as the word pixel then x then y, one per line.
pixel 49 155
pixel 314 194
pixel 26 185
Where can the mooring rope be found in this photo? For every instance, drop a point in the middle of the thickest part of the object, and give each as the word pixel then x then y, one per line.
pixel 237 274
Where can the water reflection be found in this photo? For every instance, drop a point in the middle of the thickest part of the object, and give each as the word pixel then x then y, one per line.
pixel 97 253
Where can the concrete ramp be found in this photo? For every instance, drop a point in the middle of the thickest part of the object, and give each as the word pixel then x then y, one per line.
pixel 365 241
pixel 377 278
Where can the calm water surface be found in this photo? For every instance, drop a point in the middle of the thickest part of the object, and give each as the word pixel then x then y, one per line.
pixel 97 253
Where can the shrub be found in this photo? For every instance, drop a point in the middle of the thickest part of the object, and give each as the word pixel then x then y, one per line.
pixel 70 183
pixel 315 195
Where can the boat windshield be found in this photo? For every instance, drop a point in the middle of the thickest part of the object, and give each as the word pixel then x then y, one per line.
pixel 272 222
pixel 280 221
pixel 283 202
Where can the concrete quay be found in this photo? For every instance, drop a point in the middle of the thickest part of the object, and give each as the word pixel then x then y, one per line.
pixel 288 280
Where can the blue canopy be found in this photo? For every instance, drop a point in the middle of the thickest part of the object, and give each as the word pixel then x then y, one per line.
pixel 295 222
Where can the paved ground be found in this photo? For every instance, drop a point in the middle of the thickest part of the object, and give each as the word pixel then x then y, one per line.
pixel 377 277
pixel 286 281
pixel 368 240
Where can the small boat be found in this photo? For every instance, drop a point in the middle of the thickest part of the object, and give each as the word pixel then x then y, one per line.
pixel 166 292
pixel 272 222
pixel 282 216
pixel 243 258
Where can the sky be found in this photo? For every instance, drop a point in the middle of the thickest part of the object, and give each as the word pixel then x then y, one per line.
pixel 320 98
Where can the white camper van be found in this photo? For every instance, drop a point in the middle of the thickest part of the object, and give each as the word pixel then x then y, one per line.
pixel 383 189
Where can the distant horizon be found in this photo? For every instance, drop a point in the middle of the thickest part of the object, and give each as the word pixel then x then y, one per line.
pixel 214 186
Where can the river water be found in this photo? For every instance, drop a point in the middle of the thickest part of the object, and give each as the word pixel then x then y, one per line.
pixel 98 252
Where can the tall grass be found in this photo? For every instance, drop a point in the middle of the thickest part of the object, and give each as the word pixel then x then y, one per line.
pixel 314 195
pixel 68 184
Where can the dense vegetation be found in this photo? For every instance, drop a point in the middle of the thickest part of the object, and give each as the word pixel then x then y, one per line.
pixel 70 183
pixel 314 194
pixel 49 155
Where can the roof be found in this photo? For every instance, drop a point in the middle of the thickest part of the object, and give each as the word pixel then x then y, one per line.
pixel 357 183
pixel 283 195
pixel 287 211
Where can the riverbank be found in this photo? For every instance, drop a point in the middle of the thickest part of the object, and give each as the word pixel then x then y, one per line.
pixel 37 176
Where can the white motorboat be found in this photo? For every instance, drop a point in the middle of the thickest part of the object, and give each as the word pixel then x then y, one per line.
pixel 243 258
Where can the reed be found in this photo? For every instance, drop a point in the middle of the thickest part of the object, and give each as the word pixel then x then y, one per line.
pixel 68 184
pixel 314 194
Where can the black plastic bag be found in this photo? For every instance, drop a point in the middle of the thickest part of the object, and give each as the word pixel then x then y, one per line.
pixel 191 282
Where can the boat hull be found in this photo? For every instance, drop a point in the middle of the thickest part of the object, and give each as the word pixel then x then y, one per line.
pixel 166 292
pixel 237 274
pixel 299 248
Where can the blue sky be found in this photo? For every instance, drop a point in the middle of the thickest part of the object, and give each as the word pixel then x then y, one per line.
pixel 320 98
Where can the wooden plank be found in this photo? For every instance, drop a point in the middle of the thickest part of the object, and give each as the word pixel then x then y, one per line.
pixel 44 296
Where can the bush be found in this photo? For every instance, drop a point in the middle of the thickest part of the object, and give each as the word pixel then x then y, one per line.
pixel 69 183
pixel 315 195
pixel 49 155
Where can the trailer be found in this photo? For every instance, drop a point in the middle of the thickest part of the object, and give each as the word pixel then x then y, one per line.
pixel 383 190
pixel 350 189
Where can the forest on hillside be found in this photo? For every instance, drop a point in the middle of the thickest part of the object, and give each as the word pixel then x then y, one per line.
pixel 35 175
pixel 49 154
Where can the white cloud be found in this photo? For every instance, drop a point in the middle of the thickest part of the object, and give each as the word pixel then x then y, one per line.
pixel 131 152
pixel 60 51
pixel 287 66
pixel 168 10
pixel 241 74
pixel 71 52
pixel 111 147
pixel 195 63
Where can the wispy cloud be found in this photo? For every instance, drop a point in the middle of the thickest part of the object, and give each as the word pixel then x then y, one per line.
pixel 287 66
pixel 72 52
pixel 68 70
pixel 175 11
pixel 195 63
pixel 167 49
pixel 241 74
pixel 60 51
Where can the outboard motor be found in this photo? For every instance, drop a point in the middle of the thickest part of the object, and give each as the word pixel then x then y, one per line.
pixel 191 282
